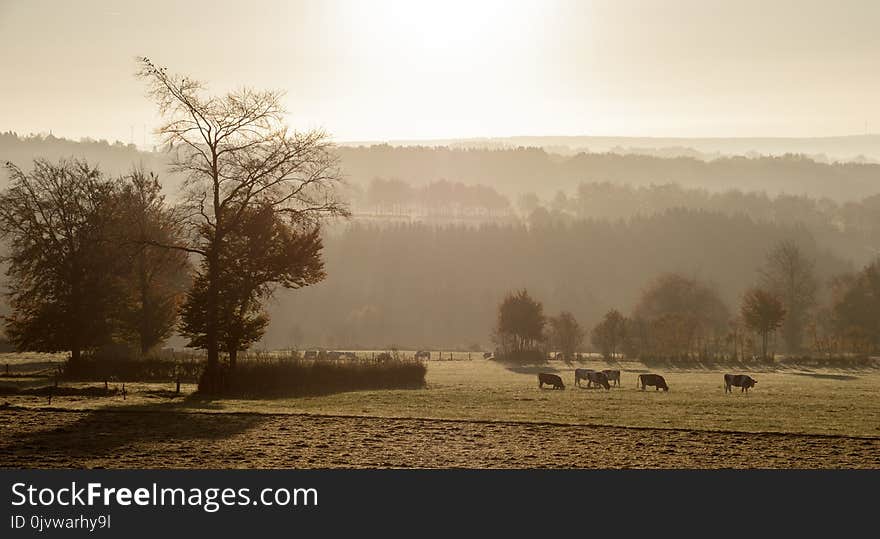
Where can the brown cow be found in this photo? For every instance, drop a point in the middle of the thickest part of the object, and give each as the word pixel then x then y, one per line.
pixel 738 380
pixel 613 376
pixel 652 380
pixel 592 377
pixel 551 380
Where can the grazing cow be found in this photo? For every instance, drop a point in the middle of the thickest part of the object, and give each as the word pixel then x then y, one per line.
pixel 487 355
pixel 592 377
pixel 652 380
pixel 551 380
pixel 423 354
pixel 739 380
pixel 582 374
pixel 613 376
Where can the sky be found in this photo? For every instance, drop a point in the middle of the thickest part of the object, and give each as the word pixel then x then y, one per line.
pixel 410 69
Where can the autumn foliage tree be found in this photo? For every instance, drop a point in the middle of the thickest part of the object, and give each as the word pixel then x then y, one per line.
pixel 856 310
pixel 763 313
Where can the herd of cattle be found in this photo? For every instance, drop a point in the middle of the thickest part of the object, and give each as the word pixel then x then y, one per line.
pixel 604 379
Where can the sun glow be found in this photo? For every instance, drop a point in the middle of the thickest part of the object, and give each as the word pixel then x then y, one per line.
pixel 439 58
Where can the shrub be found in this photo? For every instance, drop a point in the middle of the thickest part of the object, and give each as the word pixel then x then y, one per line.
pixel 100 368
pixel 297 377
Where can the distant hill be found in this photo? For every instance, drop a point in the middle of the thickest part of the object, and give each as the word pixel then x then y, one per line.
pixel 857 148
pixel 515 171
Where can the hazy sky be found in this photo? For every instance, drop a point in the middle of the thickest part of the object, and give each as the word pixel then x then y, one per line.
pixel 370 70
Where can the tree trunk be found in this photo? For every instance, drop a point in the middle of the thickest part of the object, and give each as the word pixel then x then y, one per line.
pixel 211 377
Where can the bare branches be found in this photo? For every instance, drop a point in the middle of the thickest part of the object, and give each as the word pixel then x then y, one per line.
pixel 236 152
pixel 241 161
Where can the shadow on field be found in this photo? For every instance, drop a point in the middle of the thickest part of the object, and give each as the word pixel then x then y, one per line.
pixel 107 433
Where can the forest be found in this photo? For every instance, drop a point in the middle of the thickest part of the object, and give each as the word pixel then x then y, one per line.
pixel 477 224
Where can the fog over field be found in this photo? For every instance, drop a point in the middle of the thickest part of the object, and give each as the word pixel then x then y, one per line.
pixel 413 214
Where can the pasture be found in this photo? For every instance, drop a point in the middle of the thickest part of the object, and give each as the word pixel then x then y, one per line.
pixel 486 415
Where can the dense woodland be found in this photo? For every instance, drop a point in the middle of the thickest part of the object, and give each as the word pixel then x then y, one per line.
pixel 584 234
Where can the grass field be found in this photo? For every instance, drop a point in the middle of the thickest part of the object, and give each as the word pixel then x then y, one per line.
pixel 792 418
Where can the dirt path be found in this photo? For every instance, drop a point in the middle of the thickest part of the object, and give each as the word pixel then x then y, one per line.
pixel 43 439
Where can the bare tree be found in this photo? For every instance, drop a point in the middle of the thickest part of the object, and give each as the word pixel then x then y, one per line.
pixel 566 334
pixel 608 334
pixel 788 273
pixel 237 153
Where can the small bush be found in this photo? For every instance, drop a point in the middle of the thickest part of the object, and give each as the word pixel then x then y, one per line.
pixel 297 377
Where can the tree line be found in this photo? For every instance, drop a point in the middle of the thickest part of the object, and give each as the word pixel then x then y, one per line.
pixel 683 318
pixel 422 285
pixel 525 169
pixel 395 196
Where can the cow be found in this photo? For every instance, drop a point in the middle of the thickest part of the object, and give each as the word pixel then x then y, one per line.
pixel 311 354
pixel 613 376
pixel 743 381
pixel 487 355
pixel 551 380
pixel 423 354
pixel 652 380
pixel 592 377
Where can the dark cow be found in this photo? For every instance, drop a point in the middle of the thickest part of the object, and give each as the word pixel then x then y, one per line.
pixel 613 376
pixel 652 380
pixel 423 354
pixel 739 380
pixel 550 380
pixel 592 377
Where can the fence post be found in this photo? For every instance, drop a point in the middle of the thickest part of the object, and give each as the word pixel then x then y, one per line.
pixel 178 385
pixel 7 369
pixel 123 391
